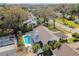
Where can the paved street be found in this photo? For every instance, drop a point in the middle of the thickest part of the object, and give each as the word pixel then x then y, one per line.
pixel 64 27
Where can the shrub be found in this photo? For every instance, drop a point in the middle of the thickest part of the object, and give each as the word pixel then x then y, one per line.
pixel 52 44
pixel 76 35
pixel 62 40
pixel 47 53
pixel 57 45
pixel 20 42
pixel 46 48
pixel 72 40
pixel 41 44
pixel 75 40
pixel 36 47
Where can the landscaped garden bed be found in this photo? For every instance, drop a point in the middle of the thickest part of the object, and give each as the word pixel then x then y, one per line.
pixel 72 40
pixel 75 38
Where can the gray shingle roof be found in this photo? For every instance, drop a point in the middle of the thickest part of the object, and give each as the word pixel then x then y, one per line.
pixel 6 40
pixel 45 35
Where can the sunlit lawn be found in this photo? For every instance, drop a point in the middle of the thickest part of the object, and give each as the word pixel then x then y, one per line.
pixel 67 22
pixel 71 40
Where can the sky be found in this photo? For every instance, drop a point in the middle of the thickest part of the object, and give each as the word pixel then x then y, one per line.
pixel 39 1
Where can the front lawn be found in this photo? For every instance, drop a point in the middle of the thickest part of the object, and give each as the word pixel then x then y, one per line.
pixel 72 40
pixel 67 22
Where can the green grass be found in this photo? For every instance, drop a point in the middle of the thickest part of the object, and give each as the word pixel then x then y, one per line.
pixel 71 40
pixel 67 22
pixel 51 27
pixel 20 41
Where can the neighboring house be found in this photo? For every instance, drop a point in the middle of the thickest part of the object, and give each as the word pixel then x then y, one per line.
pixel 76 20
pixel 45 34
pixel 8 45
pixel 68 16
pixel 59 14
pixel 30 22
pixel 67 50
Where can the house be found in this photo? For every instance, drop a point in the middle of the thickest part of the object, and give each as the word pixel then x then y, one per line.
pixel 67 50
pixel 76 20
pixel 45 34
pixel 31 22
pixel 68 16
pixel 8 45
pixel 59 14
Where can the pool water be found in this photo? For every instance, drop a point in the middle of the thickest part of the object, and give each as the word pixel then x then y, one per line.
pixel 27 39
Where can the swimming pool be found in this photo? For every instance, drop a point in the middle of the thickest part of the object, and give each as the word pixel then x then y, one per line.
pixel 27 39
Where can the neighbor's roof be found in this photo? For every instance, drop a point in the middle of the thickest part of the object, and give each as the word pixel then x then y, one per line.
pixel 65 50
pixel 45 35
pixel 75 46
pixel 28 21
pixel 60 35
pixel 7 40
